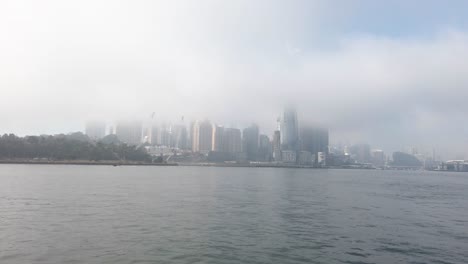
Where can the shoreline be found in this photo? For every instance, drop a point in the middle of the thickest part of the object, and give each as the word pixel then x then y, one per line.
pixel 244 165
pixel 86 163
pixel 226 165
pixel 128 163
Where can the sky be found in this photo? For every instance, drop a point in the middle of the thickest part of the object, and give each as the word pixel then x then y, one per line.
pixel 390 73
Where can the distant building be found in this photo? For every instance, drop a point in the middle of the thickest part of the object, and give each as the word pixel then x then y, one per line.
pixel 276 142
pixel 95 130
pixel 157 151
pixel 147 131
pixel 232 140
pixel 454 165
pixel 264 148
pixel 378 157
pixel 250 136
pixel 289 156
pixel 153 134
pixel 226 145
pixel 179 137
pixel 158 135
pixel 339 159
pixel 314 140
pixel 129 132
pixel 289 130
pixel 402 159
pixel 202 137
pixel 321 159
pixel 164 135
pixel 111 130
pixel 218 139
pixel 361 153
pixel 305 158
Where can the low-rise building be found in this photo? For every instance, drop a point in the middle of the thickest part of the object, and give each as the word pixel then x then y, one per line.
pixel 289 156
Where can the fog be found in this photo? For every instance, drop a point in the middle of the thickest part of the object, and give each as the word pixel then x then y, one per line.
pixel 390 74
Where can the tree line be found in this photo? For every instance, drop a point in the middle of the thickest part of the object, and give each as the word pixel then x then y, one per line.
pixel 75 146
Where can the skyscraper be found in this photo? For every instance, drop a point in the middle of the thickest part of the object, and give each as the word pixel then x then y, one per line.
pixel 250 142
pixel 154 134
pixel 202 137
pixel 179 136
pixel 218 138
pixel 95 130
pixel 226 140
pixel 314 139
pixel 129 132
pixel 164 135
pixel 289 130
pixel 264 148
pixel 232 140
pixel 378 157
pixel 361 153
pixel 276 142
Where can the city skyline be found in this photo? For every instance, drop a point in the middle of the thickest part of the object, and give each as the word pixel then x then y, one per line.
pixel 310 138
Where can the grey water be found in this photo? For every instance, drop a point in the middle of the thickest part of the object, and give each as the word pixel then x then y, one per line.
pixel 104 214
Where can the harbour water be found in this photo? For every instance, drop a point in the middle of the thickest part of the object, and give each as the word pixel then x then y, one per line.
pixel 104 214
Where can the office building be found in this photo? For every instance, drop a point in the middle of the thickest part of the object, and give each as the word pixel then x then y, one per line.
pixel 378 157
pixel 289 130
pixel 361 153
pixel 314 139
pixel 202 138
pixel 218 139
pixel 264 148
pixel 179 137
pixel 276 142
pixel 129 132
pixel 289 156
pixel 232 141
pixel 250 137
pixel 305 158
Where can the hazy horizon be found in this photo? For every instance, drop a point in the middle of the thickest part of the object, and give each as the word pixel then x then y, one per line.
pixel 392 74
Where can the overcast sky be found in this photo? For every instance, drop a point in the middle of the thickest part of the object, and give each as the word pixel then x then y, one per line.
pixel 390 73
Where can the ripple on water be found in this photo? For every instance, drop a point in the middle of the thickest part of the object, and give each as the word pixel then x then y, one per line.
pixel 55 215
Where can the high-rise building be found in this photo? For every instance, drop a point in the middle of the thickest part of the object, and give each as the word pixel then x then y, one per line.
pixel 217 138
pixel 361 153
pixel 147 131
pixel 232 141
pixel 378 157
pixel 264 148
pixel 164 135
pixel 289 130
pixel 190 135
pixel 250 137
pixel 314 140
pixel 129 132
pixel 95 130
pixel 111 130
pixel 321 159
pixel 154 134
pixel 276 142
pixel 226 140
pixel 179 136
pixel 202 137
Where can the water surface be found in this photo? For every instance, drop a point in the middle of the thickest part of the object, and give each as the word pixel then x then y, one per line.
pixel 104 214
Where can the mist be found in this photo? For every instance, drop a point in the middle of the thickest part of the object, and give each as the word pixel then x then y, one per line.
pixel 352 67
